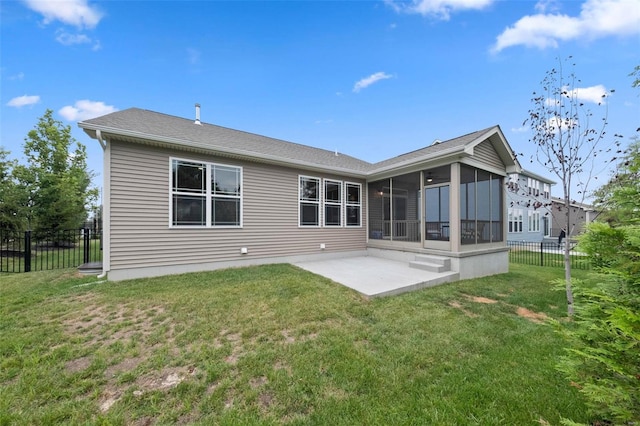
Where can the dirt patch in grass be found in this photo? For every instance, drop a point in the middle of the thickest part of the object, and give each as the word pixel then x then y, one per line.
pixel 128 364
pixel 116 331
pixel 256 382
pixel 457 305
pixel 77 365
pixel 480 299
pixel 537 317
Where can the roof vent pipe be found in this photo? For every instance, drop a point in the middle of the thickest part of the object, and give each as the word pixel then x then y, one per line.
pixel 197 115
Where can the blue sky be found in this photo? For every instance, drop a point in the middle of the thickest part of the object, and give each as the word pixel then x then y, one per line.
pixel 369 79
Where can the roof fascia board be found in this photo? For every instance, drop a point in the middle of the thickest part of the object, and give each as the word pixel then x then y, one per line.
pixel 115 133
pixel 452 152
pixel 537 177
pixel 470 161
pixel 416 166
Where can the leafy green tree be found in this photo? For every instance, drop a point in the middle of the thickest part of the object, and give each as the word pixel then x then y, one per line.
pixel 57 177
pixel 13 197
pixel 567 140
pixel 617 198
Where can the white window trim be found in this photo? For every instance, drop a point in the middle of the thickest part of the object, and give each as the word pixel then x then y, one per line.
pixel 339 203
pixel 534 221
pixel 348 204
pixel 318 203
pixel 322 202
pixel 516 217
pixel 207 195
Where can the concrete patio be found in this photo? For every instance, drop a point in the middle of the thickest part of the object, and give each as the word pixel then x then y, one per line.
pixel 375 276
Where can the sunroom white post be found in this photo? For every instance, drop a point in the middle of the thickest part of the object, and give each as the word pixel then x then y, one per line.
pixel 422 208
pixel 391 218
pixel 454 208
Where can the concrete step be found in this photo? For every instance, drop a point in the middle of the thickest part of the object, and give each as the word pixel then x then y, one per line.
pixel 430 258
pixel 431 263
pixel 428 266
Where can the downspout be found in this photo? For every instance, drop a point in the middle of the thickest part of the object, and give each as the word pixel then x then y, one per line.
pixel 103 144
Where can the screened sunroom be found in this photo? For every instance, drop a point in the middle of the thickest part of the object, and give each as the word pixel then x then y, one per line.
pixel 455 207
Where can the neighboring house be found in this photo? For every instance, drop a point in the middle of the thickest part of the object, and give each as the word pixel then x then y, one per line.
pixel 528 207
pixel 580 214
pixel 182 196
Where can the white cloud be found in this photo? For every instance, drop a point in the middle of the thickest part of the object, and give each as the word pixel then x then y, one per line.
pixel 18 77
pixel 85 109
pixel 597 18
pixel 440 9
pixel 67 39
pixel 72 12
pixel 594 94
pixel 544 6
pixel 25 100
pixel 368 81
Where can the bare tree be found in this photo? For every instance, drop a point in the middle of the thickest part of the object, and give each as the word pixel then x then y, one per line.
pixel 568 140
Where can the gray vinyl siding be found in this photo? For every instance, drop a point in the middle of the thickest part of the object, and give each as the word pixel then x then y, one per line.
pixel 140 232
pixel 486 153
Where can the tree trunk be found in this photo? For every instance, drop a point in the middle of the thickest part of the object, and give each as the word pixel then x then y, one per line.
pixel 567 257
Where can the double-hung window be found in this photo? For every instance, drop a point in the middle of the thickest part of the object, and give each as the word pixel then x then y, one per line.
pixel 309 201
pixel 515 220
pixel 205 194
pixel 332 203
pixel 353 203
pixel 329 202
pixel 534 221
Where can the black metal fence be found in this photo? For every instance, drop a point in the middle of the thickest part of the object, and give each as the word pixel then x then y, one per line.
pixel 546 254
pixel 26 251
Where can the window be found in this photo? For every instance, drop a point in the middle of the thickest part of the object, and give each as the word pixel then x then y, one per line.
pixel 513 182
pixel 332 203
pixel 205 194
pixel 515 220
pixel 309 200
pixel 225 195
pixel 340 204
pixel 547 191
pixel 534 221
pixel 353 203
pixel 534 187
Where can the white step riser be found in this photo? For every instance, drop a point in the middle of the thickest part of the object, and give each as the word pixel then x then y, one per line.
pixel 431 267
pixel 444 261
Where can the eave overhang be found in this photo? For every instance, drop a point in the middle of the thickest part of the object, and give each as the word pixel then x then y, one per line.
pixel 165 142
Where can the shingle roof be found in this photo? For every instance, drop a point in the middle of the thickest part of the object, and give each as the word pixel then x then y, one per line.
pixel 153 126
pixel 433 150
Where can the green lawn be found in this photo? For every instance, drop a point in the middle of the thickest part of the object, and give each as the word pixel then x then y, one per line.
pixel 275 344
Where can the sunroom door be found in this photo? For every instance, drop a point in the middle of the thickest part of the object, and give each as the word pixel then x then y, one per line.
pixel 437 205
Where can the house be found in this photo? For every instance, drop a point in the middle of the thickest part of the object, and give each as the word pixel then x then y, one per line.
pixel 181 195
pixel 580 214
pixel 528 207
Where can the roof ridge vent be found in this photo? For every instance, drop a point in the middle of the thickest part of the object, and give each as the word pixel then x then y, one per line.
pixel 197 115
